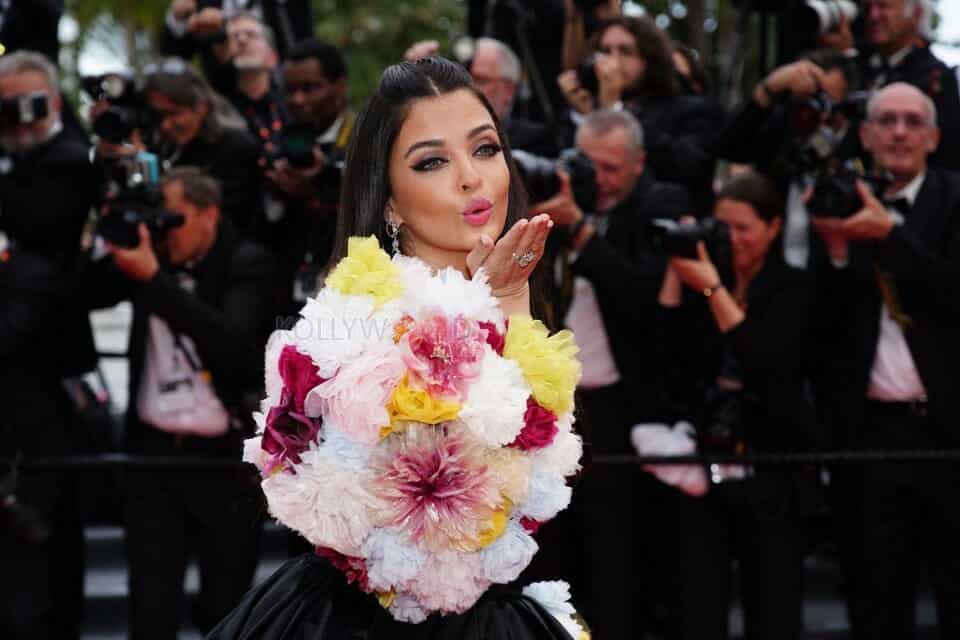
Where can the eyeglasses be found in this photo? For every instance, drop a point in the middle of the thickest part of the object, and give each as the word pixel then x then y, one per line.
pixel 249 34
pixel 911 121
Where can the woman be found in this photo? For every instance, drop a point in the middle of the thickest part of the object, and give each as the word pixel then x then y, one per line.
pixel 740 353
pixel 429 174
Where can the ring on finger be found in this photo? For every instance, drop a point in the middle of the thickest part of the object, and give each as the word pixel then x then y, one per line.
pixel 524 258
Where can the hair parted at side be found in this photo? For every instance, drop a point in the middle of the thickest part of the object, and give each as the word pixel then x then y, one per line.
pixel 756 190
pixel 366 178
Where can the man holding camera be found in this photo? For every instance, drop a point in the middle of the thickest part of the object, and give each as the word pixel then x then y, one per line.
pixel 891 336
pixel 898 52
pixel 201 296
pixel 607 294
pixel 39 163
pixel 304 173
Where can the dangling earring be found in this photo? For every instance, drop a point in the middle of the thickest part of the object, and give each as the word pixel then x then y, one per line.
pixel 393 231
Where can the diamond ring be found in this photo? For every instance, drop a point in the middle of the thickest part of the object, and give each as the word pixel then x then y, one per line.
pixel 525 258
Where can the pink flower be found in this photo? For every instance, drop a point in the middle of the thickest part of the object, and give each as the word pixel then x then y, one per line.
pixel 354 401
pixel 539 427
pixel 436 488
pixel 495 339
pixel 355 569
pixel 444 354
pixel 287 434
pixel 299 374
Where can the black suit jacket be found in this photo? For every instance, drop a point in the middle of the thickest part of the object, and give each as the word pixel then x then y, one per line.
pixel 923 258
pixel 227 317
pixel 626 275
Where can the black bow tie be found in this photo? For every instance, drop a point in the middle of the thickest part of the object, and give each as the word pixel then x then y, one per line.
pixel 900 204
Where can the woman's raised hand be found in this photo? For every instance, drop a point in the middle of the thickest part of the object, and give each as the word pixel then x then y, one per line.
pixel 510 261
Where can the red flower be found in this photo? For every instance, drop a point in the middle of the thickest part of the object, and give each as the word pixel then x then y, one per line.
pixel 353 568
pixel 531 525
pixel 299 375
pixel 287 433
pixel 494 338
pixel 539 427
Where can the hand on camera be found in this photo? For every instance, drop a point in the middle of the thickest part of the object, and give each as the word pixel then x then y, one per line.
pixel 507 273
pixel 297 182
pixel 139 263
pixel 577 97
pixel 561 207
pixel 421 49
pixel 611 82
pixel 206 22
pixel 840 39
pixel 872 222
pixel 697 274
pixel 800 78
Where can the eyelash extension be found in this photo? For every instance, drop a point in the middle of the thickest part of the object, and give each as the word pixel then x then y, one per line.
pixel 429 164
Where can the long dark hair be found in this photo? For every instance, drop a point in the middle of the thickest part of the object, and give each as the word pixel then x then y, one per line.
pixel 366 177
pixel 653 45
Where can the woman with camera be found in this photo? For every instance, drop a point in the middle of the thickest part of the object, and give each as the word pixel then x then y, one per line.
pixel 739 345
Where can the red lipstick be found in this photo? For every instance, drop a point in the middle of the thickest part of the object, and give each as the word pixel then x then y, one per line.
pixel 478 212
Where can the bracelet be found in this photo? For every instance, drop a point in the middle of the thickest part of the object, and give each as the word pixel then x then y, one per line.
pixel 709 291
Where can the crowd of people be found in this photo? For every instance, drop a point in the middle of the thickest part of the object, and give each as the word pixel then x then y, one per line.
pixel 772 278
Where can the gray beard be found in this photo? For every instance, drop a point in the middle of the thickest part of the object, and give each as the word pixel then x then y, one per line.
pixel 23 143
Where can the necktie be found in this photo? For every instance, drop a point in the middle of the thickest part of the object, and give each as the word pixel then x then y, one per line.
pixel 900 204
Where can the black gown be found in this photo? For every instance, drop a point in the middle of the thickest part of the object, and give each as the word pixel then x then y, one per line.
pixel 307 598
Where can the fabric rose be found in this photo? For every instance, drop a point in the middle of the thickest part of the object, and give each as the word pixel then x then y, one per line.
pixel 408 404
pixel 354 401
pixel 494 338
pixel 299 375
pixel 443 354
pixel 287 434
pixel 366 271
pixel 539 427
pixel 355 569
pixel 548 362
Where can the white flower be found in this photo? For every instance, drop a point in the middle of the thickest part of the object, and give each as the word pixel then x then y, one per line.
pixel 335 328
pixel 450 582
pixel 562 456
pixel 392 562
pixel 449 291
pixel 554 596
pixel 509 555
pixel 547 496
pixel 273 383
pixel 253 453
pixel 329 504
pixel 497 401
pixel 406 608
pixel 350 454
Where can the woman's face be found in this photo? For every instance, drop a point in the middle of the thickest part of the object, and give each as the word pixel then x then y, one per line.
pixel 620 44
pixel 449 179
pixel 750 234
pixel 177 123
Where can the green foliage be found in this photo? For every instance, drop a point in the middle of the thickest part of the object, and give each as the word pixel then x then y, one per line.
pixel 375 33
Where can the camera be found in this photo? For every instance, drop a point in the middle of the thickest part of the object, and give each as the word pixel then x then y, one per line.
pixel 835 190
pixel 295 145
pixel 24 109
pixel 127 112
pixel 587 74
pixel 678 240
pixel 824 16
pixel 133 197
pixel 539 175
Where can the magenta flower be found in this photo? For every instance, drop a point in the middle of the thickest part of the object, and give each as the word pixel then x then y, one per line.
pixel 444 354
pixel 539 427
pixel 436 488
pixel 530 525
pixel 355 569
pixel 299 375
pixel 495 339
pixel 287 434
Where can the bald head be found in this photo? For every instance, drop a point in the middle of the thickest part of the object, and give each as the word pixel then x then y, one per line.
pixel 901 91
pixel 900 131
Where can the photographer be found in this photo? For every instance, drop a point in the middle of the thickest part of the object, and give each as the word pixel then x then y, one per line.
pixel 191 125
pixel 897 51
pixel 304 174
pixel 607 296
pixel 795 125
pixel 739 363
pixel 39 163
pixel 199 26
pixel 633 69
pixel 200 297
pixel 891 290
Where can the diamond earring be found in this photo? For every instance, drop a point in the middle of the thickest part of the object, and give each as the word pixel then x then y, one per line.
pixel 393 231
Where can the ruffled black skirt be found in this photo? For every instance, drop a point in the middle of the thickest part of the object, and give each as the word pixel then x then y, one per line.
pixel 307 599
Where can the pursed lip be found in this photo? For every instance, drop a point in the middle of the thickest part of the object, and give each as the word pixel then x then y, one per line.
pixel 477 205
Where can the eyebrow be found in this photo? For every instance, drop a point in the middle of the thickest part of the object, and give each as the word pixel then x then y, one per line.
pixel 439 143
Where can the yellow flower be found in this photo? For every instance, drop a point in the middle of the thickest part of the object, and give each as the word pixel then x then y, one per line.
pixel 366 271
pixel 385 598
pixel 495 526
pixel 408 404
pixel 549 363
